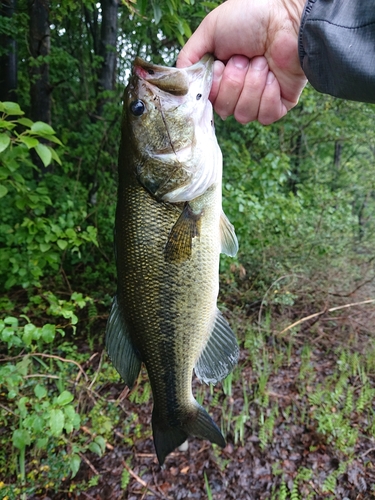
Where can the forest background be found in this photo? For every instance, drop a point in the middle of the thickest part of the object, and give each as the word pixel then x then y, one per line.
pixel 299 411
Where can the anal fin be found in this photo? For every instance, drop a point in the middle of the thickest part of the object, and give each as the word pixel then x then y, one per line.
pixel 120 348
pixel 220 354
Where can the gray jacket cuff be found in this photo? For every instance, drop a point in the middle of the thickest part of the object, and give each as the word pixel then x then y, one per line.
pixel 337 47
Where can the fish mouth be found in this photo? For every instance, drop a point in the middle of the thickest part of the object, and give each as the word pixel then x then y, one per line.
pixel 176 81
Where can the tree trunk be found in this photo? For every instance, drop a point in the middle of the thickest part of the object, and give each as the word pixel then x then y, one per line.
pixel 107 48
pixel 8 61
pixel 39 40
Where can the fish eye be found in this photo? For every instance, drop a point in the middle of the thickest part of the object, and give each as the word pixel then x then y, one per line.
pixel 137 107
pixel 198 97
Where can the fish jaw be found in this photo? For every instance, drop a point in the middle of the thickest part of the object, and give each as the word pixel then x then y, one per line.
pixel 174 138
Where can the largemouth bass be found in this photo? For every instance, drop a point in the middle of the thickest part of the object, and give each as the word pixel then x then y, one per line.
pixel 169 232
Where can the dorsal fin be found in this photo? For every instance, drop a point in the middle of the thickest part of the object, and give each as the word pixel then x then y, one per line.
pixel 220 354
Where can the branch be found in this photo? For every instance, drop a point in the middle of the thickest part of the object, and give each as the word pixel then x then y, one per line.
pixel 369 301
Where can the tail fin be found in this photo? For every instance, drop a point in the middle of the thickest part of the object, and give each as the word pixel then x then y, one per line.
pixel 197 422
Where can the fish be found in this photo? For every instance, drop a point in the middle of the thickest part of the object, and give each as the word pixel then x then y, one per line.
pixel 169 232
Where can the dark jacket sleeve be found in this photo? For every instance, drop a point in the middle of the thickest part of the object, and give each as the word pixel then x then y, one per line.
pixel 337 47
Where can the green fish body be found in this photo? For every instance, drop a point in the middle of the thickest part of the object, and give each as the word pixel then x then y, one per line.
pixel 170 230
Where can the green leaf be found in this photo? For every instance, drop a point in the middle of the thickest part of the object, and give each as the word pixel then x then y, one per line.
pixel 48 333
pixel 42 443
pixel 12 108
pixel 95 448
pixel 42 128
pixel 30 142
pixel 44 153
pixel 40 391
pixel 31 332
pixel 56 422
pixel 62 244
pixel 11 320
pixel 101 442
pixel 210 5
pixel 4 141
pixel 55 156
pixel 25 121
pixel 70 233
pixel 157 13
pixel 38 424
pixel 21 438
pixel 53 138
pixel 7 124
pixel 187 30
pixel 72 417
pixel 180 39
pixel 3 190
pixel 74 464
pixel 44 247
pixel 65 398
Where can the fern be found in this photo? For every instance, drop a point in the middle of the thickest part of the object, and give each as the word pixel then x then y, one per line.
pixel 125 478
pixel 329 485
pixel 294 494
pixel 283 491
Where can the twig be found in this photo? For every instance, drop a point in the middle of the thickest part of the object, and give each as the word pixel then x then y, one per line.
pixel 139 479
pixel 367 452
pixel 43 355
pixel 5 358
pixel 97 371
pixel 302 320
pixel 88 463
pixel 9 410
pixel 88 496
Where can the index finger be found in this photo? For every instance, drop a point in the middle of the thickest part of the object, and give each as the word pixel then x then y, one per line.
pixel 200 43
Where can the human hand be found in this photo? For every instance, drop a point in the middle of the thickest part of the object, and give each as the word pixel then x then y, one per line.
pixel 257 74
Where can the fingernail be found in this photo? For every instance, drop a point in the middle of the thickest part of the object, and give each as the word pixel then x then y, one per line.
pixel 259 63
pixel 218 69
pixel 270 78
pixel 241 62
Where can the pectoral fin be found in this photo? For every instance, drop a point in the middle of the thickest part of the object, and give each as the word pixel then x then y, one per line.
pixel 229 243
pixel 120 348
pixel 179 244
pixel 220 354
